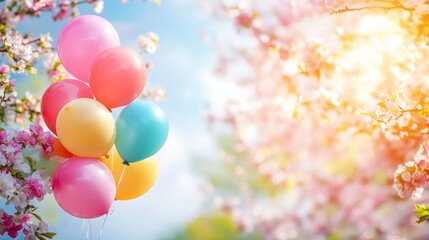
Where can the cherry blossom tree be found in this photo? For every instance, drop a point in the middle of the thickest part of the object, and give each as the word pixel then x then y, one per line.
pixel 327 130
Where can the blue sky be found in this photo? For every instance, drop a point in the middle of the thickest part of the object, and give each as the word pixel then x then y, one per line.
pixel 182 62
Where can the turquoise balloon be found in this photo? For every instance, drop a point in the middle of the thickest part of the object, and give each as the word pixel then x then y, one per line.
pixel 141 130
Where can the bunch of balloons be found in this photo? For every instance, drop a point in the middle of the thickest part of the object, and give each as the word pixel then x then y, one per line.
pixel 78 111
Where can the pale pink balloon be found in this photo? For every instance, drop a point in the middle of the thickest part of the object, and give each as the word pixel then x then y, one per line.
pixel 80 42
pixel 84 187
pixel 59 94
pixel 118 76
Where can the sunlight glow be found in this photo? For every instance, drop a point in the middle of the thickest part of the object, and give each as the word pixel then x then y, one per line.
pixel 371 59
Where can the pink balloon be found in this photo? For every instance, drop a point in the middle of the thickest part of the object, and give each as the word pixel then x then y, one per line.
pixel 84 187
pixel 59 94
pixel 118 76
pixel 80 42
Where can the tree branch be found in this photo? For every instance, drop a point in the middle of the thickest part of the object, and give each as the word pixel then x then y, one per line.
pixel 72 4
pixel 33 41
pixel 386 5
pixel 386 8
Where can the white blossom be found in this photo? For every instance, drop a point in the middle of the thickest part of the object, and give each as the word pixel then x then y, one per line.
pixel 148 43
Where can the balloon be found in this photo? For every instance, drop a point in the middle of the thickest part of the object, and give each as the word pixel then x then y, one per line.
pixel 57 95
pixel 138 178
pixel 60 151
pixel 86 128
pixel 118 76
pixel 142 129
pixel 82 40
pixel 84 187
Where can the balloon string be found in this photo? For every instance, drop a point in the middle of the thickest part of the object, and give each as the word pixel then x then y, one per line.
pixel 111 161
pixel 120 178
pixel 102 226
pixel 83 224
pixel 65 224
pixel 112 209
pixel 89 230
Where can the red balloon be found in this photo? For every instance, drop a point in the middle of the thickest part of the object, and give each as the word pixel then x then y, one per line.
pixel 84 187
pixel 117 77
pixel 59 94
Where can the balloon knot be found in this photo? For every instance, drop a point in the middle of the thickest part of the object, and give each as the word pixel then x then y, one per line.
pixel 109 109
pixel 126 163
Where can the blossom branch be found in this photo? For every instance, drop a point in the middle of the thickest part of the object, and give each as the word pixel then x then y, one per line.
pixel 390 5
pixel 386 8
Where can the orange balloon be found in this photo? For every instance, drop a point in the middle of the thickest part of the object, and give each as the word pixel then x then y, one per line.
pixel 138 178
pixel 60 150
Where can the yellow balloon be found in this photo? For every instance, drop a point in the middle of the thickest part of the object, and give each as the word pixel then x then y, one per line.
pixel 138 178
pixel 86 128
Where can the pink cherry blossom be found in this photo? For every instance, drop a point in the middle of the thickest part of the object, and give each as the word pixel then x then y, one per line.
pixel 35 187
pixel 322 112
pixel 23 141
pixel 9 226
